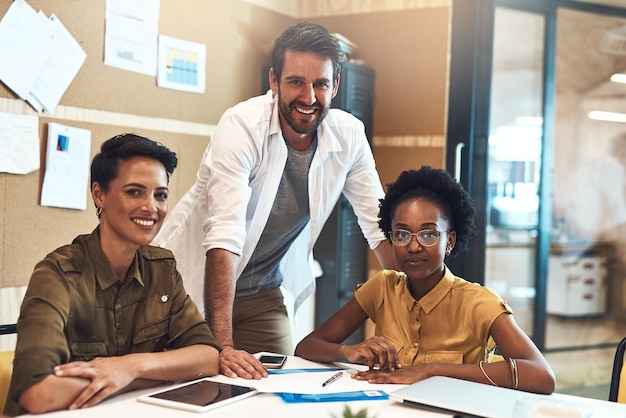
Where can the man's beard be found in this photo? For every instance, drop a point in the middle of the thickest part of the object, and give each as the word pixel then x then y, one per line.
pixel 288 111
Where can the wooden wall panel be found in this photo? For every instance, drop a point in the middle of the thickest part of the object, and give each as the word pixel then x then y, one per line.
pixel 408 49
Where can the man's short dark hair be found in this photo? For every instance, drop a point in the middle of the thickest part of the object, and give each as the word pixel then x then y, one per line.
pixel 307 37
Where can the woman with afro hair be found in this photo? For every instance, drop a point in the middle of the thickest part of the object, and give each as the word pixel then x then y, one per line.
pixel 428 322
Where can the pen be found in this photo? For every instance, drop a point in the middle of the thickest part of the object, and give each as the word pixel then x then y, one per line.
pixel 334 377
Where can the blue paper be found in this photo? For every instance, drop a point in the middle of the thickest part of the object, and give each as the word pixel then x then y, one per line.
pixel 304 370
pixel 361 395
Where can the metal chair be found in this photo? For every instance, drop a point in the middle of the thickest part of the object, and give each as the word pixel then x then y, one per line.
pixel 617 392
pixel 6 365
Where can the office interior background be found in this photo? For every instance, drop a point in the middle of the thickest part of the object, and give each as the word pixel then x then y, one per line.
pixel 503 93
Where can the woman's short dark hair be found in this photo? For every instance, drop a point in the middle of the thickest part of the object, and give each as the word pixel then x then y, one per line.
pixel 439 187
pixel 307 37
pixel 104 165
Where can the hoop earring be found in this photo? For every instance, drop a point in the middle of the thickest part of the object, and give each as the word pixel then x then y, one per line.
pixel 98 211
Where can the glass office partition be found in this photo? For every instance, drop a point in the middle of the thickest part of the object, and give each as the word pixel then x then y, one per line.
pixel 514 149
pixel 586 278
pixel 536 133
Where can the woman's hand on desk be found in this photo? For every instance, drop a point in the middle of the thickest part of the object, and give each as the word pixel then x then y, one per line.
pixel 108 376
pixel 240 363
pixel 375 351
pixel 405 375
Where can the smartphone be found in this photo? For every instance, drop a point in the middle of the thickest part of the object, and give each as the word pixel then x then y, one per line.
pixel 275 361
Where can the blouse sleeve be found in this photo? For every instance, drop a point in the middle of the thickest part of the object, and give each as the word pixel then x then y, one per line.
pixel 370 294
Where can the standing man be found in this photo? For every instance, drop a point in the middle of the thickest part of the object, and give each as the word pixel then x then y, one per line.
pixel 269 179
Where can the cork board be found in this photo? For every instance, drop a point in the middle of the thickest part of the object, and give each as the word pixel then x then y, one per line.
pixel 236 34
pixel 236 45
pixel 30 231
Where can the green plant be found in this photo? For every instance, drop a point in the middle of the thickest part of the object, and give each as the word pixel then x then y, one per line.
pixel 347 413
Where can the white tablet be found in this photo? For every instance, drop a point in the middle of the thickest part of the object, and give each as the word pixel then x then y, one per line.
pixel 199 395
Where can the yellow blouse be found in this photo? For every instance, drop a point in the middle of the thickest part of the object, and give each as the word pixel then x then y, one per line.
pixel 451 324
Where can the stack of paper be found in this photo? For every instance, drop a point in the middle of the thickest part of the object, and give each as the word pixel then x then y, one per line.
pixel 40 58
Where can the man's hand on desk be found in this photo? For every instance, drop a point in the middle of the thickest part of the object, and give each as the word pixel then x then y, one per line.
pixel 239 363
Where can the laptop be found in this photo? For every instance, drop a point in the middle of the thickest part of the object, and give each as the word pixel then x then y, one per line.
pixel 460 397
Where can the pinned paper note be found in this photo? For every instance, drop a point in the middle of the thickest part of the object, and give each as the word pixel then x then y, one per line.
pixel 19 142
pixel 182 65
pixel 25 40
pixel 130 39
pixel 40 58
pixel 65 59
pixel 65 181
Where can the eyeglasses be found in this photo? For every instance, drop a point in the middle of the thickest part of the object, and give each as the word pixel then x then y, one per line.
pixel 425 237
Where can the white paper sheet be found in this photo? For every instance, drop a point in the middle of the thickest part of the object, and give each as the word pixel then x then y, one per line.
pixel 19 143
pixel 40 58
pixel 182 65
pixel 67 167
pixel 131 35
pixel 64 60
pixel 24 45
pixel 308 383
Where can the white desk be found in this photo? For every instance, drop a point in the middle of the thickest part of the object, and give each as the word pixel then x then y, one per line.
pixel 269 405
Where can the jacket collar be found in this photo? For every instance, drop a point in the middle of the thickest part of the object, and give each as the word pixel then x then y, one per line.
pixel 103 270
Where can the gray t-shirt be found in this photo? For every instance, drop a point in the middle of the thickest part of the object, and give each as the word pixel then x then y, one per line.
pixel 289 215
